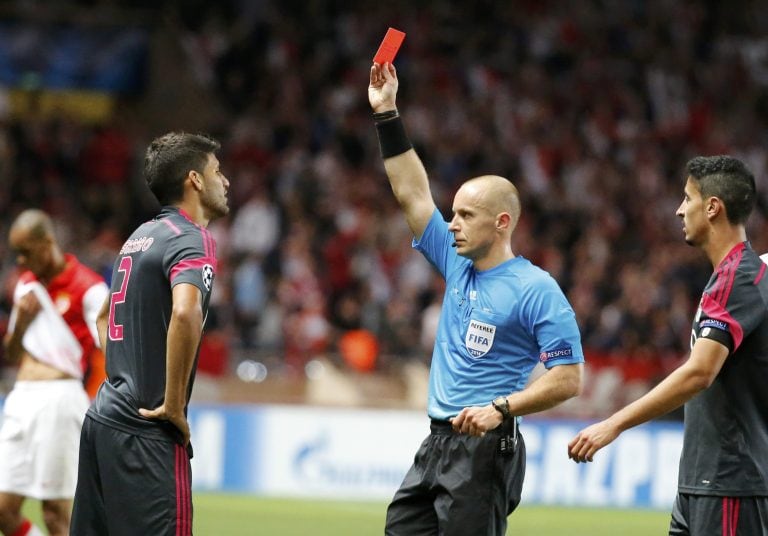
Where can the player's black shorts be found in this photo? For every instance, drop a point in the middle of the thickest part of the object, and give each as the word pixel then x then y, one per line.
pixel 458 485
pixel 130 484
pixel 695 515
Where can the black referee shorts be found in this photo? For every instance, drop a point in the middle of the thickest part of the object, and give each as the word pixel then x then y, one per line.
pixel 130 485
pixel 458 485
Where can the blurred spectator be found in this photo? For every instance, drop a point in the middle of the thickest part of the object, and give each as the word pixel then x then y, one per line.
pixel 593 111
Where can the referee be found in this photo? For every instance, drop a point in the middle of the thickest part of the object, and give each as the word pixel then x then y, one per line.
pixel 501 316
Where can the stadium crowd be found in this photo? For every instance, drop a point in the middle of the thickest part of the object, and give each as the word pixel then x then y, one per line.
pixel 592 107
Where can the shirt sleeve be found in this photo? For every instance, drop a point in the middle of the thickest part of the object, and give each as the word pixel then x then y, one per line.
pixel 435 245
pixel 729 316
pixel 191 258
pixel 553 324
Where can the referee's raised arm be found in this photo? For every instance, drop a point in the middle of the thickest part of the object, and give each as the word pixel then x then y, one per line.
pixel 406 173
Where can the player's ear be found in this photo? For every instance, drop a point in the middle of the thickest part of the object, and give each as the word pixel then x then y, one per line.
pixel 195 179
pixel 503 221
pixel 714 207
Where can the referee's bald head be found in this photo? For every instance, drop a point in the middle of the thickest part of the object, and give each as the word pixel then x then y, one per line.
pixel 498 195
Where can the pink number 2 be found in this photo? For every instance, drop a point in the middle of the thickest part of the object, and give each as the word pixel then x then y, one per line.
pixel 116 330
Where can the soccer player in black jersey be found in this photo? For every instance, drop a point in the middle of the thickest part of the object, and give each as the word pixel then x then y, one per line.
pixel 723 477
pixel 134 472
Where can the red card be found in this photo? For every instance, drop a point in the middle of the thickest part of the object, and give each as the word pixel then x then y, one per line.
pixel 389 46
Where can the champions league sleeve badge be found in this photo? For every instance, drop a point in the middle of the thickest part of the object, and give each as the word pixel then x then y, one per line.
pixel 208 276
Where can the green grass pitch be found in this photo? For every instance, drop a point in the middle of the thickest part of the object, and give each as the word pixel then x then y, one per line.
pixel 246 515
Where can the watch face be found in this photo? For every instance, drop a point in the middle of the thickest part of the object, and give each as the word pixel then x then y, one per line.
pixel 502 405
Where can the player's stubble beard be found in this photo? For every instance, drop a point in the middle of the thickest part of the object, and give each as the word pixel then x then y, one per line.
pixel 216 208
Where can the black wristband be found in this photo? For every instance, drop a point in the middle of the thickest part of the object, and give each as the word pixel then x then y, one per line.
pixel 392 137
pixel 385 116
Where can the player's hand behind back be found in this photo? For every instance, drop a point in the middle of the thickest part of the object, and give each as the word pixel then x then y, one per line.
pixel 178 420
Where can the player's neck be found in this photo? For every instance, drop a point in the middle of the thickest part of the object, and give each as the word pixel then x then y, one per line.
pixel 722 242
pixel 59 262
pixel 195 212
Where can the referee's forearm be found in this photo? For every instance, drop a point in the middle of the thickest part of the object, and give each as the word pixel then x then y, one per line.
pixel 551 389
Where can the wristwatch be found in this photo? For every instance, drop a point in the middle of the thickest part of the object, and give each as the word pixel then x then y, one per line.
pixel 501 404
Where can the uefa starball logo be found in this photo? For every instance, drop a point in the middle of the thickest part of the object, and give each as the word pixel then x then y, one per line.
pixel 207 276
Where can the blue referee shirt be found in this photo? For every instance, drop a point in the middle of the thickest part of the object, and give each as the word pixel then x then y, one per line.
pixel 495 326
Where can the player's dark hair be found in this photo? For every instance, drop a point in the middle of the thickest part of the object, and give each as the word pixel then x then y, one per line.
pixel 170 158
pixel 729 180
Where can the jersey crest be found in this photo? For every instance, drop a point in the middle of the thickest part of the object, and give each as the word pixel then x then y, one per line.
pixel 62 302
pixel 479 338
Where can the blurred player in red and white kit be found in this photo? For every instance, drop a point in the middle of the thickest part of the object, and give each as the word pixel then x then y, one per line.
pixel 52 335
